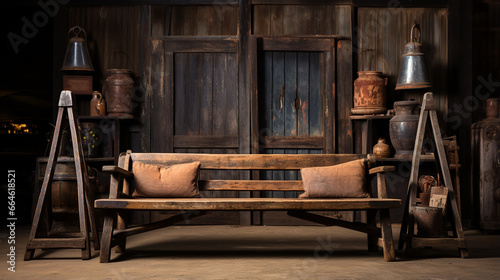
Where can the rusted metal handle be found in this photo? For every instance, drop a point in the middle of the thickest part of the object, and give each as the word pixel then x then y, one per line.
pixel 77 30
pixel 413 27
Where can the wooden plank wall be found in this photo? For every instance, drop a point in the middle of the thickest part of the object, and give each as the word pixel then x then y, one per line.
pixel 198 101
pixel 382 35
pixel 204 20
pixel 113 33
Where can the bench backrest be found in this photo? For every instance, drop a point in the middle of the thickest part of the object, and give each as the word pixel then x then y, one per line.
pixel 242 162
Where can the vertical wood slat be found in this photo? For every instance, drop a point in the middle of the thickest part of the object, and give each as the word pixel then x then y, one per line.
pixel 244 31
pixel 219 98
pixel 278 111
pixel 303 93
pixel 316 94
pixel 329 104
pixel 265 100
pixel 206 94
pixel 232 116
pixel 145 64
pixel 193 89
pixel 180 62
pixel 290 110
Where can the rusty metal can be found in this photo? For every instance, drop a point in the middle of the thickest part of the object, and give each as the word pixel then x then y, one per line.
pixel 369 93
pixel 119 92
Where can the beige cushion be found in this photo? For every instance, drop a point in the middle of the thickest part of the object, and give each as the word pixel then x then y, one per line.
pixel 180 180
pixel 341 180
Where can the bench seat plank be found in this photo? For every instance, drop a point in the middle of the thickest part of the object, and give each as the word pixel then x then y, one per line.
pixel 242 204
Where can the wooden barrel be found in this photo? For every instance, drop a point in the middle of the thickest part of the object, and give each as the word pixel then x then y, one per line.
pixel 64 188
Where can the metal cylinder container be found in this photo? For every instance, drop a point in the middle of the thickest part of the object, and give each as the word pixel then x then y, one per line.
pixel 119 93
pixel 369 93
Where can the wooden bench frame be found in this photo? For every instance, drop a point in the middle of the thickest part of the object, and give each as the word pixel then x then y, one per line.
pixel 119 201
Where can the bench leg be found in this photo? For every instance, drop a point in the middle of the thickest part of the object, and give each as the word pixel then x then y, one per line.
pixel 387 241
pixel 372 239
pixel 29 254
pixel 121 243
pixel 107 236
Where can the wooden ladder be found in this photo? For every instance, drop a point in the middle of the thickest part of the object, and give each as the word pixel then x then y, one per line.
pixel 85 207
pixel 407 233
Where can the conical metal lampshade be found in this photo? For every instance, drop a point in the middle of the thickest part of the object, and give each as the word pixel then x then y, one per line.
pixel 77 55
pixel 413 71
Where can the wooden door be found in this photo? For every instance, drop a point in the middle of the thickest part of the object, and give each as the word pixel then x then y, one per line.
pixel 293 101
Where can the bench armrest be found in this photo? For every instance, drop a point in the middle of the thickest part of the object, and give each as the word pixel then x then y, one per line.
pixel 113 169
pixel 381 169
pixel 381 185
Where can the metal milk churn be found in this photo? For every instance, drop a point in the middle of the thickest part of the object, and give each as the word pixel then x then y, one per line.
pixel 119 92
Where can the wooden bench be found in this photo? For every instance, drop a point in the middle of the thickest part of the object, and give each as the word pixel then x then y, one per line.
pixel 119 201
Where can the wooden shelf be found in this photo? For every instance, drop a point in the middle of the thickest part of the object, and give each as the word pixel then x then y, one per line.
pixel 93 118
pixel 370 117
pixel 423 158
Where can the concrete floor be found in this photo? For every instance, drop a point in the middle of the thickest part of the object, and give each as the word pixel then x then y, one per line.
pixel 232 252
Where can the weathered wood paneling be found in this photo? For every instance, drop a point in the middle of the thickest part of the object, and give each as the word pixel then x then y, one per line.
pixel 300 19
pixel 113 33
pixel 290 104
pixel 318 20
pixel 199 20
pixel 205 94
pixel 382 36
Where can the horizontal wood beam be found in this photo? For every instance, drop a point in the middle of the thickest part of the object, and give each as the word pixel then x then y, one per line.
pixel 250 185
pixel 296 43
pixel 247 161
pixel 301 2
pixel 438 242
pixel 157 225
pixel 247 204
pixel 206 141
pixel 225 44
pixel 292 142
pixel 56 243
pixel 358 3
pixel 327 221
pixel 153 2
